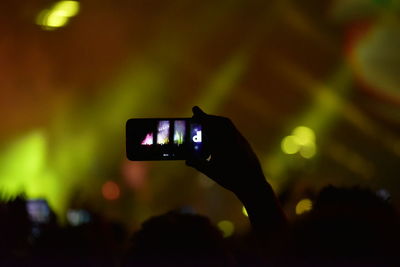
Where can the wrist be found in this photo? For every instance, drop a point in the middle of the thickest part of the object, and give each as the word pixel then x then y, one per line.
pixel 262 204
pixel 255 187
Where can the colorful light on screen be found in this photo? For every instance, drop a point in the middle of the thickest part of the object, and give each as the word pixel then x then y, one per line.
pixel 58 15
pixel 227 228
pixel 178 138
pixel 110 190
pixel 303 206
pixel 179 133
pixel 148 140
pixel 197 138
pixel 163 133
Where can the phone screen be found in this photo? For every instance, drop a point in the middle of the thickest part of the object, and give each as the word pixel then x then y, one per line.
pixel 163 139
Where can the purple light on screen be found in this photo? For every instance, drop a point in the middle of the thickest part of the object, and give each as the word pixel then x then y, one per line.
pixel 163 133
pixel 148 140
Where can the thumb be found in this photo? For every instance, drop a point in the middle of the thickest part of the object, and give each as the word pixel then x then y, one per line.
pixel 198 112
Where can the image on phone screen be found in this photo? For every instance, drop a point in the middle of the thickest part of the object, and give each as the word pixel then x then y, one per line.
pixel 163 139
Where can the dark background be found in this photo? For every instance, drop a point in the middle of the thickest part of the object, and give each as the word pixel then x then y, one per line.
pixel 271 66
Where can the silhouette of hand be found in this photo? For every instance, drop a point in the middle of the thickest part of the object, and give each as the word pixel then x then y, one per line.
pixel 232 163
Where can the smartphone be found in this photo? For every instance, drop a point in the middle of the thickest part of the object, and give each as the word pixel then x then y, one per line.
pixel 164 139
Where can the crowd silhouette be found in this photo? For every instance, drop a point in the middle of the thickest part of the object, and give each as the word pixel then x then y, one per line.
pixel 346 227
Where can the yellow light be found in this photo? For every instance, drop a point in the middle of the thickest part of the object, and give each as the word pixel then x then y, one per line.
pixel 290 145
pixel 55 20
pixel 304 135
pixel 302 141
pixel 226 227
pixel 42 17
pixel 244 211
pixel 66 8
pixel 304 205
pixel 308 151
pixel 58 16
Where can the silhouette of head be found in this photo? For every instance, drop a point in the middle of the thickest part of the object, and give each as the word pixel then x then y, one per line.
pixel 176 239
pixel 14 225
pixel 347 226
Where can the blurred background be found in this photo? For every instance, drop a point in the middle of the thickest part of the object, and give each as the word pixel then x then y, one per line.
pixel 313 85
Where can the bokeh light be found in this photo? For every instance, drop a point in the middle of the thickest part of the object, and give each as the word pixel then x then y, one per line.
pixel 110 190
pixel 384 194
pixel 290 145
pixel 303 206
pixel 304 135
pixel 308 150
pixel 78 217
pixel 301 141
pixel 227 228
pixel 135 174
pixel 58 15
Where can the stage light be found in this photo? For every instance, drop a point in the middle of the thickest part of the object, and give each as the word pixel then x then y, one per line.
pixel 22 162
pixel 226 227
pixel 58 15
pixel 110 190
pixel 303 206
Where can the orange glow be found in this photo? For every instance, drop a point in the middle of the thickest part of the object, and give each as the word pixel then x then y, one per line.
pixel 135 174
pixel 110 190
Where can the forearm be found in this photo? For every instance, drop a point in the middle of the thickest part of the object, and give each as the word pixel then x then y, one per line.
pixel 263 208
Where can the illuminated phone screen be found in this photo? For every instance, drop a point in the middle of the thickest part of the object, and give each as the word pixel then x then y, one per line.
pixel 163 139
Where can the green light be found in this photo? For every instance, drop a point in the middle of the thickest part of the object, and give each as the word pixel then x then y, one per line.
pixel 25 169
pixel 226 227
pixel 308 150
pixel 55 20
pixel 244 211
pixel 302 141
pixel 303 206
pixel 383 3
pixel 58 16
pixel 178 138
pixel 304 135
pixel 42 17
pixel 290 145
pixel 66 8
pixel 328 101
pixel 224 82
pixel 22 161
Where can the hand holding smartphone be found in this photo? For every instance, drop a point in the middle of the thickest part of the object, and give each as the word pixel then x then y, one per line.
pixel 164 139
